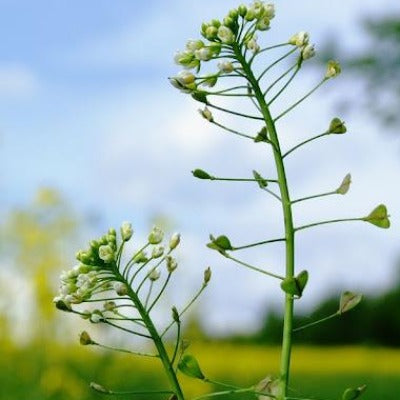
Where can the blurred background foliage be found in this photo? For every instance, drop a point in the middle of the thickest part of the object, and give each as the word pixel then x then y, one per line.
pixel 38 360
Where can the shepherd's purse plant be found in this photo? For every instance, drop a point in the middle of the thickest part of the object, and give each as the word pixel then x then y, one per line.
pixel 124 295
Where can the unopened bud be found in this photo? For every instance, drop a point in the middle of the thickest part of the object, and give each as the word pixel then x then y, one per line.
pixel 121 289
pixel 96 317
pixel 126 231
pixel 157 252
pixel 226 67
pixel 174 241
pixel 300 39
pixel 154 274
pixel 156 236
pixel 207 275
pixel 308 52
pixel 226 35
pixel 106 253
pixel 206 114
pixel 175 314
pixel 333 69
pixel 171 264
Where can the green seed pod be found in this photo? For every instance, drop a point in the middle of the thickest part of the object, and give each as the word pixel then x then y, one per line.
pixel 379 217
pixel 190 367
pixel 337 126
pixel 207 275
pixel 201 174
pixel 85 339
pixel 348 301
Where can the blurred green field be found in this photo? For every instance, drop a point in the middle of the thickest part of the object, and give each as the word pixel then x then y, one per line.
pixel 51 372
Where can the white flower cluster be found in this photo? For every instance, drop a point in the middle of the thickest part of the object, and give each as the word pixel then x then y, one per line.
pixel 302 41
pixel 98 268
pixel 221 34
pixel 78 285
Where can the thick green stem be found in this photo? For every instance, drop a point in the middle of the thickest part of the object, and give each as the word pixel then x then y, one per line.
pixel 162 352
pixel 288 220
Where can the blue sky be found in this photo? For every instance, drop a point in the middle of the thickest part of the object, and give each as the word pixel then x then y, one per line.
pixel 85 106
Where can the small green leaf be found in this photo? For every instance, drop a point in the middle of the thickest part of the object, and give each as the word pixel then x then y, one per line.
pixel 379 217
pixel 352 394
pixel 221 243
pixel 190 367
pixel 200 174
pixel 263 183
pixel 345 185
pixel 262 136
pixel 348 301
pixel 295 285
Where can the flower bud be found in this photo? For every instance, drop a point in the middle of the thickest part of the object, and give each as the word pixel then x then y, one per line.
pixel 210 80
pixel 206 114
pixel 242 10
pixel 154 274
pixel 263 24
pixel 226 67
pixel 308 52
pixel 193 45
pixel 229 22
pixel 333 69
pixel 185 78
pixel 300 39
pixel 86 314
pixel 140 257
pixel 201 174
pixel 126 231
pixel 253 45
pixel 157 252
pixel 211 33
pixel 250 14
pixel 207 275
pixel 171 264
pixel 120 288
pixel 174 241
pixel 216 23
pixel 175 314
pixel 233 13
pixel 106 253
pixel 203 54
pixel 110 306
pixel 156 235
pixel 96 317
pixel 186 59
pixel 337 126
pixel 226 35
pixel 269 11
pixel 85 339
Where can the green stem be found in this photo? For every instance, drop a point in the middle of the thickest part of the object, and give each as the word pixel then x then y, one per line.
pixel 233 112
pixel 315 196
pixel 301 100
pixel 214 178
pixel 196 296
pixel 305 142
pixel 288 220
pixel 275 63
pixel 252 267
pixel 331 221
pixel 162 352
pixel 300 328
pixel 232 130
pixel 247 246
pixel 135 353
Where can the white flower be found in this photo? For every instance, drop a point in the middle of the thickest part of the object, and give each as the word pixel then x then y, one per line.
pixel 156 236
pixel 106 253
pixel 300 39
pixel 269 10
pixel 226 66
pixel 96 317
pixel 174 241
pixel 154 274
pixel 126 231
pixel 193 45
pixel 157 252
pixel 120 288
pixel 308 52
pixel 226 35
pixel 333 69
pixel 185 78
pixel 206 114
pixel 203 54
pixel 171 264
